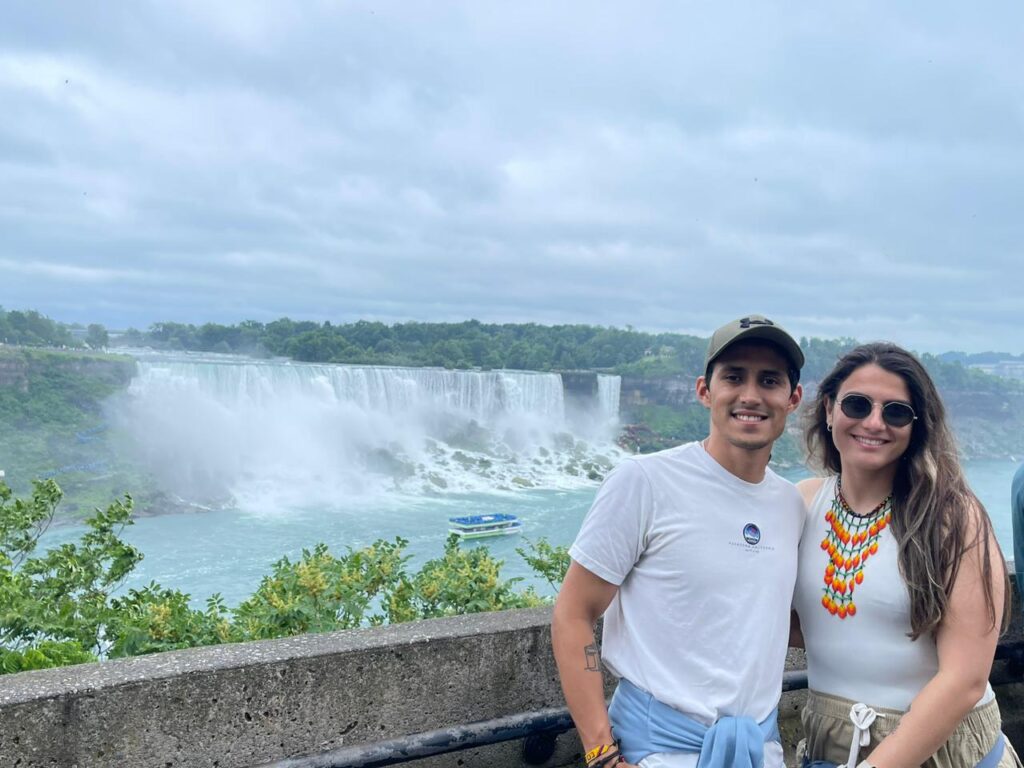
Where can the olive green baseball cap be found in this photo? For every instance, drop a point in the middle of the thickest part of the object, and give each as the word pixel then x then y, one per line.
pixel 754 327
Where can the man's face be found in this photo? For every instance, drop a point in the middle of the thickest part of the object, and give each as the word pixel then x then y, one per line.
pixel 749 396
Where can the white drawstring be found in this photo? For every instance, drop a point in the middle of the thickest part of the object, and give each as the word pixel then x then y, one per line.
pixel 862 716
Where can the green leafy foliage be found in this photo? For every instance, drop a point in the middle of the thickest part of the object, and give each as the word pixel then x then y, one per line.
pixel 322 592
pixel 43 655
pixel 63 594
pixel 549 561
pixel 66 605
pixel 97 336
pixel 29 328
pixel 466 581
pixel 156 619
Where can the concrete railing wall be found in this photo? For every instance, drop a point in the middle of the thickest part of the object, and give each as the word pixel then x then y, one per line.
pixel 246 704
pixel 249 704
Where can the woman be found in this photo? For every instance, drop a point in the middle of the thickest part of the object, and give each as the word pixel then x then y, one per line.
pixel 902 590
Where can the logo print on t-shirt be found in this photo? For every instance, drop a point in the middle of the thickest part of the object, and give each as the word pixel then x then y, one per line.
pixel 751 534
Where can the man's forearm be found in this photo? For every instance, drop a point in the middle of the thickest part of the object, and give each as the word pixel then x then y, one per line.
pixel 579 667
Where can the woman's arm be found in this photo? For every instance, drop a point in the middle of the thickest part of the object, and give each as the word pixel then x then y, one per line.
pixel 966 644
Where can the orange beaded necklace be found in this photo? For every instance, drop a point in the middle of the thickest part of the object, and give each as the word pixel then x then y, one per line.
pixel 850 541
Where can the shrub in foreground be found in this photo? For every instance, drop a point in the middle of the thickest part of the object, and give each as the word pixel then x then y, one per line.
pixel 67 605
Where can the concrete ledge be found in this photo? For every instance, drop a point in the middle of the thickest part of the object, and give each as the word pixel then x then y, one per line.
pixel 246 704
pixel 236 706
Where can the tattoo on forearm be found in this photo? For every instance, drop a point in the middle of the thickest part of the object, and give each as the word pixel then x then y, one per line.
pixel 593 654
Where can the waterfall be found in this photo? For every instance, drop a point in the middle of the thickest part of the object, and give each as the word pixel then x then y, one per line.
pixel 481 395
pixel 240 431
pixel 609 390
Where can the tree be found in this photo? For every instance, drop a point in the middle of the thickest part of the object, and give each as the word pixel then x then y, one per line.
pixel 97 336
pixel 61 597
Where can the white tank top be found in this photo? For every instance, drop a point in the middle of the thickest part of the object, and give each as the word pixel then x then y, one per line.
pixel 864 655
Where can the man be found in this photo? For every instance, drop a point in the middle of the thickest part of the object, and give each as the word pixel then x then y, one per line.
pixel 1017 521
pixel 690 554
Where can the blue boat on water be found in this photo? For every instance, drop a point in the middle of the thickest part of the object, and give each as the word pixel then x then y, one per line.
pixel 479 526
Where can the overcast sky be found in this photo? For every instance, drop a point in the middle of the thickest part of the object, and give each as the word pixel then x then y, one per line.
pixel 849 169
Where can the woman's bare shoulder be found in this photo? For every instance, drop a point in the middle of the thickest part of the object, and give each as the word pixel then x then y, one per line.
pixel 809 488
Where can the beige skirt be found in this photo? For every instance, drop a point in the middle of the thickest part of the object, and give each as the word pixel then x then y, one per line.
pixel 828 731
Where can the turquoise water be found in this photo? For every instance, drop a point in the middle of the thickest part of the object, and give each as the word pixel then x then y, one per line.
pixel 229 551
pixel 991 481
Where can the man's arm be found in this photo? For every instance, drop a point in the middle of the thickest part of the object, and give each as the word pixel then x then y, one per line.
pixel 581 601
pixel 808 490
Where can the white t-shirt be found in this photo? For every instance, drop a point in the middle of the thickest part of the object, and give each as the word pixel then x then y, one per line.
pixel 705 564
pixel 867 657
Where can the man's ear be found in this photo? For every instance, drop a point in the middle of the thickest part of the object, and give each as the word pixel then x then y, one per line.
pixel 795 397
pixel 703 391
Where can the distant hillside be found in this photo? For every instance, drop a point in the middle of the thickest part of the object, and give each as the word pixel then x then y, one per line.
pixel 52 422
pixel 986 358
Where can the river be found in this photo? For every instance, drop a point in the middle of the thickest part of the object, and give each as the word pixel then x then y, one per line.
pixel 229 551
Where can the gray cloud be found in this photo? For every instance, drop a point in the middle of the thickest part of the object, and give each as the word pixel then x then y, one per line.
pixel 849 170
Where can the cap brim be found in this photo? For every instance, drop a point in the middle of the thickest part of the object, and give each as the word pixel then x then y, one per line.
pixel 770 333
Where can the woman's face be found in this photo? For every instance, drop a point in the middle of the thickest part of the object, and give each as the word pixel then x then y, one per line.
pixel 869 444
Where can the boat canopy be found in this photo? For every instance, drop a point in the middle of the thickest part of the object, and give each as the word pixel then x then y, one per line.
pixel 483 519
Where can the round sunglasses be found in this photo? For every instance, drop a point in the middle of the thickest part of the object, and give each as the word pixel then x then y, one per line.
pixel 895 413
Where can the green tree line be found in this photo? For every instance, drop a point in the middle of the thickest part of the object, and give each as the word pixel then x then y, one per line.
pixel 470 344
pixel 31 329
pixel 67 606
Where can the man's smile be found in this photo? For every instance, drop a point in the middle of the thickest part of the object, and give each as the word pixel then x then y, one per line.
pixel 749 416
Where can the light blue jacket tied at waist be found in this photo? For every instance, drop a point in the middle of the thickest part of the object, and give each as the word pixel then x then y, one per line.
pixel 643 726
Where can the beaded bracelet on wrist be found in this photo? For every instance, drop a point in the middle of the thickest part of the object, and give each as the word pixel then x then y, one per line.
pixel 610 758
pixel 605 754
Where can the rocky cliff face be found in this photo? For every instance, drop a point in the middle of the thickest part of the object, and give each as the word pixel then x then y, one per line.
pixel 675 391
pixel 13 372
pixel 987 424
